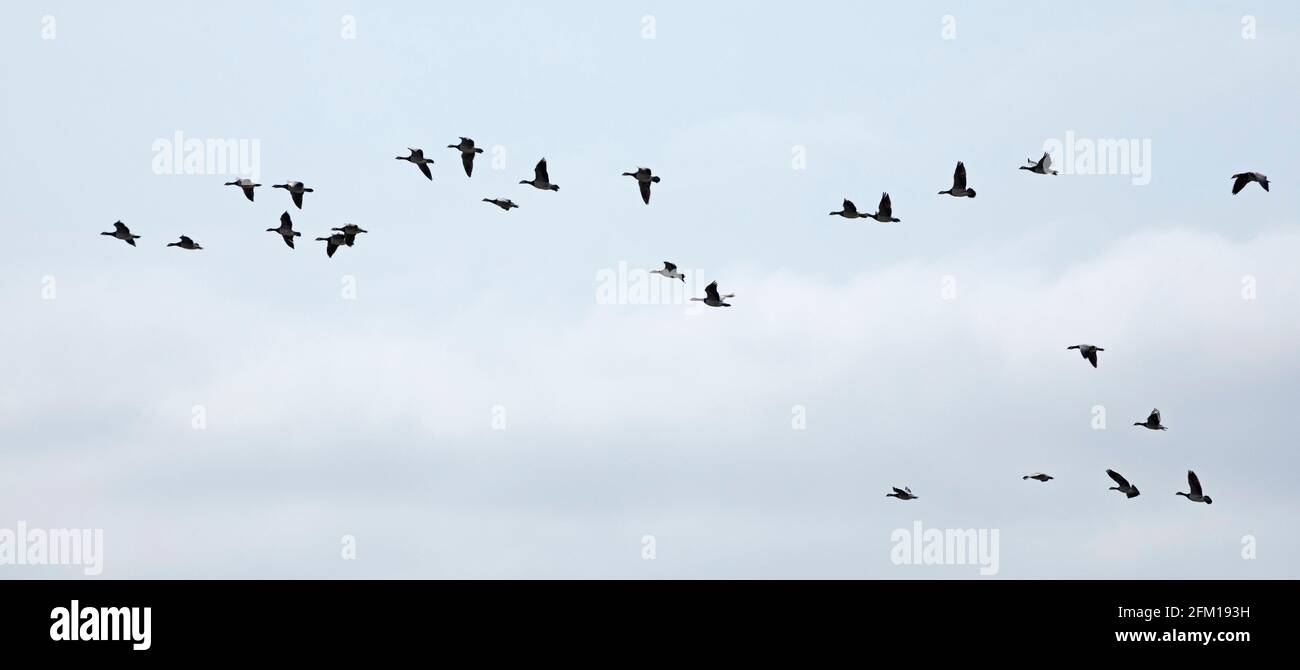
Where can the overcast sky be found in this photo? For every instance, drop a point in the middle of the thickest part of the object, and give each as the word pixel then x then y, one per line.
pixel 455 394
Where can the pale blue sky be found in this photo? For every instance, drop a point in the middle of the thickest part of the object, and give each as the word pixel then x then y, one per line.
pixel 372 417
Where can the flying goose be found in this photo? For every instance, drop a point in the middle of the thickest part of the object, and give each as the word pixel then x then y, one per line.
pixel 670 271
pixel 121 232
pixel 1039 476
pixel 1241 180
pixel 503 204
pixel 1041 166
pixel 185 243
pixel 959 189
pixel 849 211
pixel 885 211
pixel 1124 487
pixel 467 151
pixel 286 230
pixel 904 493
pixel 350 232
pixel 247 185
pixel 711 297
pixel 333 242
pixel 1088 351
pixel 643 179
pixel 1195 485
pixel 1152 422
pixel 296 189
pixel 540 178
pixel 417 157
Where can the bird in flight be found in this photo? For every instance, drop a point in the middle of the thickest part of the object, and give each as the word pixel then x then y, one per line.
pixel 959 189
pixel 1195 494
pixel 670 271
pixel 1087 351
pixel 185 243
pixel 417 157
pixel 467 151
pixel 121 232
pixel 711 297
pixel 295 189
pixel 1041 166
pixel 1038 476
pixel 904 493
pixel 1240 181
pixel 1124 487
pixel 333 242
pixel 1152 422
pixel 541 180
pixel 885 211
pixel 247 185
pixel 350 232
pixel 643 179
pixel 849 211
pixel 285 230
pixel 503 204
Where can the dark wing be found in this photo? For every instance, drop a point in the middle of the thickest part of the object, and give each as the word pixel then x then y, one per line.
pixel 1193 482
pixel 959 177
pixel 330 246
pixel 1092 357
pixel 467 160
pixel 1155 417
pixel 186 240
pixel 297 198
pixel 1240 181
pixel 1118 478
pixel 670 267
pixel 711 291
pixel 886 208
pixel 288 239
pixel 645 191
pixel 424 167
pixel 899 491
pixel 121 228
pixel 849 207
pixel 539 172
pixel 248 192
pixel 285 220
